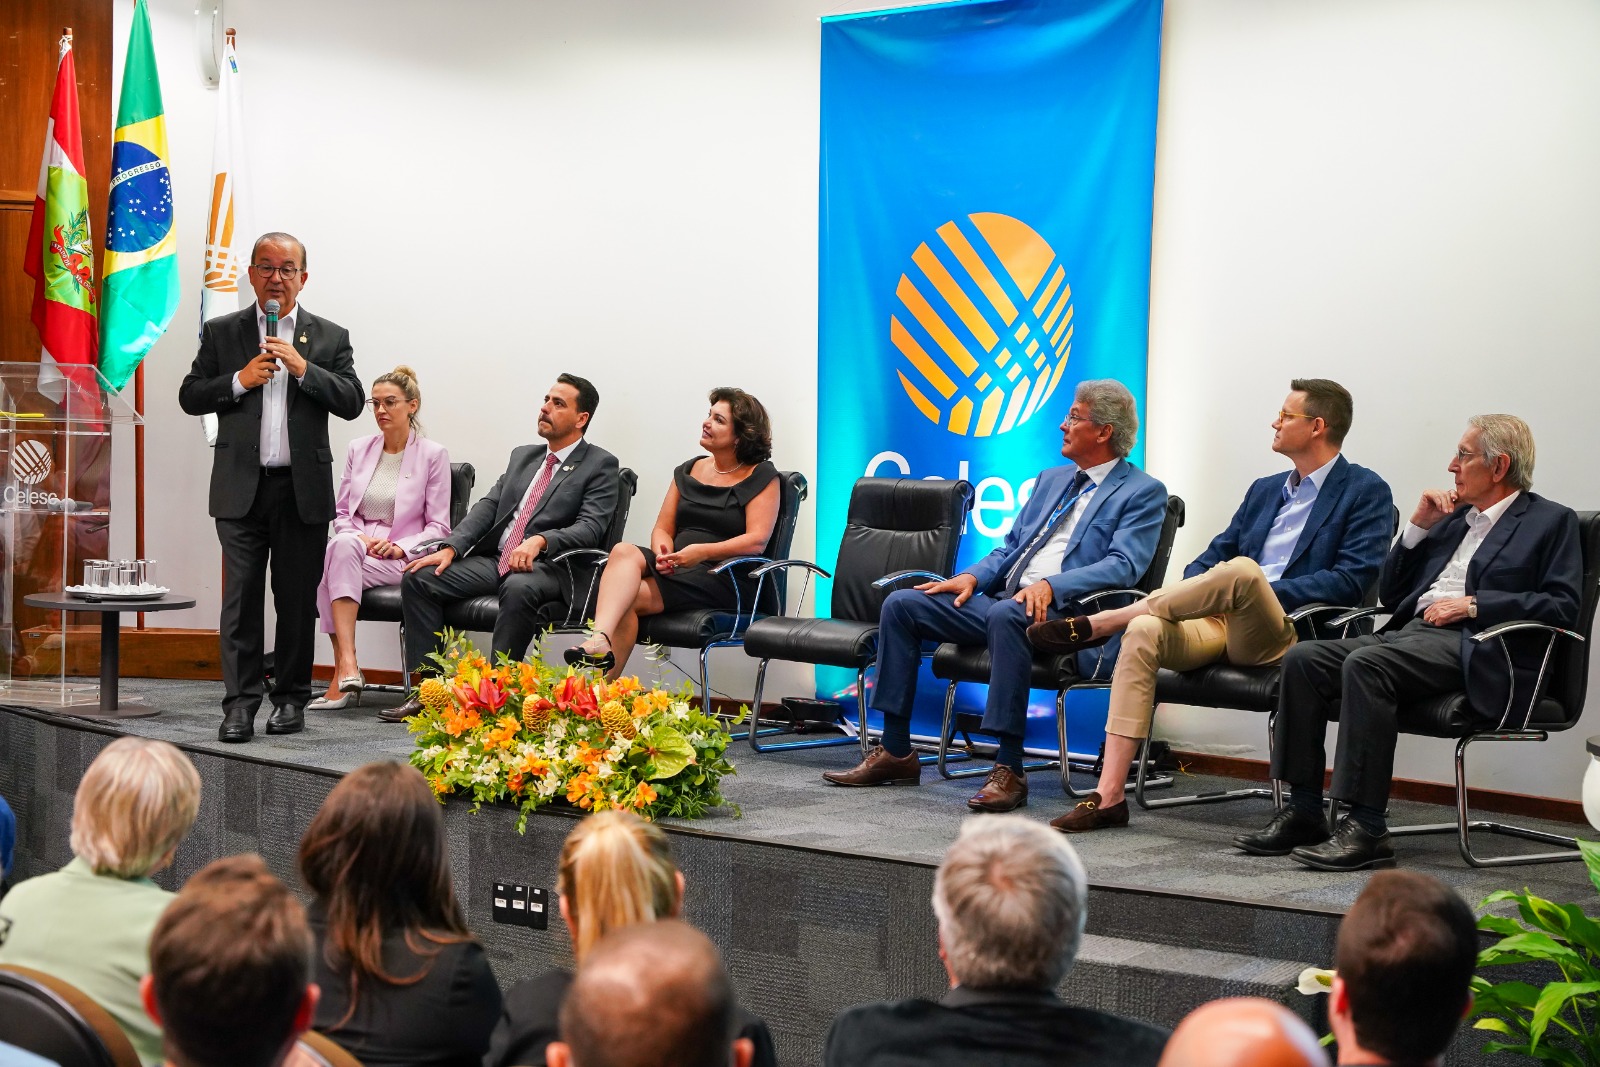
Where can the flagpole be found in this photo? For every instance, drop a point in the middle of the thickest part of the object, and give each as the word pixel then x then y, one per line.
pixel 138 472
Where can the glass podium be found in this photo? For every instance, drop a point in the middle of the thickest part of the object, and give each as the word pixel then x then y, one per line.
pixel 55 513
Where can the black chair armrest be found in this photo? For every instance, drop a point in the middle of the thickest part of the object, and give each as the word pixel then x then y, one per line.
pixel 1498 633
pixel 569 559
pixel 1494 632
pixel 900 576
pixel 1352 615
pixel 1308 611
pixel 1094 598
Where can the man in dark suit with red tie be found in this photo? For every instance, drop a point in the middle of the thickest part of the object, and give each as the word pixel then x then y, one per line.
pixel 1486 552
pixel 272 381
pixel 553 498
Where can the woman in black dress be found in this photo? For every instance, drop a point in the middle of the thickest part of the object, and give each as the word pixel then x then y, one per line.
pixel 720 505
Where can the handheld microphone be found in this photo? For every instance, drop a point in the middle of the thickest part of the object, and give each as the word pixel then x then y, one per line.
pixel 271 308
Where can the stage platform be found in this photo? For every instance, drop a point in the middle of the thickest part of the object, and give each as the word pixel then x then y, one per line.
pixel 817 895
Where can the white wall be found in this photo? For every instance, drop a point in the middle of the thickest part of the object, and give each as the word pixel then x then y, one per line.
pixel 1395 193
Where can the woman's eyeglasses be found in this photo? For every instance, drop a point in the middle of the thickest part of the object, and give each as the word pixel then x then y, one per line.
pixel 388 403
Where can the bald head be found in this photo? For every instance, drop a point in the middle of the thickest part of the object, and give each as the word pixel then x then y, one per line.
pixel 1243 1032
pixel 650 995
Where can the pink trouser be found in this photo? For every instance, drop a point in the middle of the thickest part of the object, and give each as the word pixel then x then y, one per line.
pixel 1228 614
pixel 346 570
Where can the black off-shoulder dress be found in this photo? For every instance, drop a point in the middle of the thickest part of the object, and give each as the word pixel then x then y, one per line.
pixel 708 514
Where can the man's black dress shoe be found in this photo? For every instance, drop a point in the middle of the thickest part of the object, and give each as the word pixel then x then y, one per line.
pixel 238 725
pixel 286 719
pixel 1352 848
pixel 401 712
pixel 1289 829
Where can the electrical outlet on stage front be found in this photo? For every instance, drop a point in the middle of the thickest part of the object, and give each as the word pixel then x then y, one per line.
pixel 520 905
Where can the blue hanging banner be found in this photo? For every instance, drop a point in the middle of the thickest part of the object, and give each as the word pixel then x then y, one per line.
pixel 986 185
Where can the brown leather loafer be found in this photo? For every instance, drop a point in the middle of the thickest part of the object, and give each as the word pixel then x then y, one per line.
pixel 880 768
pixel 1089 815
pixel 401 712
pixel 1003 790
pixel 1064 636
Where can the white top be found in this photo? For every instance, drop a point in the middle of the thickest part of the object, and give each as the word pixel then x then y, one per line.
pixel 377 503
pixel 1047 560
pixel 1299 497
pixel 1452 581
pixel 274 395
pixel 561 457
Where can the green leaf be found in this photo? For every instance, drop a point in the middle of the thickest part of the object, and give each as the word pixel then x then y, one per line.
pixel 1499 1026
pixel 1538 946
pixel 1556 997
pixel 1497 924
pixel 669 750
pixel 1591 860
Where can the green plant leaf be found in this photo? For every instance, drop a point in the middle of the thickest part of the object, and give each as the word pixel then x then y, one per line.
pixel 1556 997
pixel 669 750
pixel 1499 924
pixel 1499 1026
pixel 1591 860
pixel 1535 945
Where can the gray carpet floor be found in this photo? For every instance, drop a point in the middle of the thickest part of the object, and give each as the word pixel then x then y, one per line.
pixel 784 800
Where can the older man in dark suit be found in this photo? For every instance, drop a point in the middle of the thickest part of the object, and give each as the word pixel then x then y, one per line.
pixel 1010 899
pixel 1486 552
pixel 272 380
pixel 553 497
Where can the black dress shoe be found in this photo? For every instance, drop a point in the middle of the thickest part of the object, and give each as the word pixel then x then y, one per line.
pixel 286 719
pixel 1352 848
pixel 238 725
pixel 401 712
pixel 577 657
pixel 1289 829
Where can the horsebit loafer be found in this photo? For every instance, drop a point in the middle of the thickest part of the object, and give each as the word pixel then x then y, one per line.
pixel 1089 814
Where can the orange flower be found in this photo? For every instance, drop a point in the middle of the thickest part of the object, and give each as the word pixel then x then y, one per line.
pixel 459 721
pixel 577 788
pixel 440 786
pixel 622 687
pixel 514 783
pixel 502 734
pixel 527 677
pixel 644 795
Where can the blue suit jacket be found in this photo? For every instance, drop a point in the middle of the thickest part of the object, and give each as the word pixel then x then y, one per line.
pixel 1340 549
pixel 1529 567
pixel 1111 546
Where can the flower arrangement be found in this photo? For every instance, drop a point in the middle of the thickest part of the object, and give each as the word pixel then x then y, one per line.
pixel 530 734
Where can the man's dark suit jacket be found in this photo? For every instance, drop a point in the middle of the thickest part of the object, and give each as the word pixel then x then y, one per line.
pixel 995 1028
pixel 1529 567
pixel 573 513
pixel 227 343
pixel 1340 548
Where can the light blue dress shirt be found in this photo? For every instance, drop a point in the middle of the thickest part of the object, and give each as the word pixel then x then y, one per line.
pixel 1298 500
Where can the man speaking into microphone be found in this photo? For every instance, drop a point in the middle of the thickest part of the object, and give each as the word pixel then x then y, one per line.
pixel 271 373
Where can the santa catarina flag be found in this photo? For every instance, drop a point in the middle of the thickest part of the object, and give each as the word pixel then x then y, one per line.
pixel 140 290
pixel 60 258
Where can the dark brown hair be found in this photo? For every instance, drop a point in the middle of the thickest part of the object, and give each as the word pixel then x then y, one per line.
pixel 588 396
pixel 1405 952
pixel 230 960
pixel 752 430
pixel 376 859
pixel 1329 401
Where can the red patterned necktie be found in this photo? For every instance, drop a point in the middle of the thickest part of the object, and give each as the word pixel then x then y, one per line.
pixel 539 487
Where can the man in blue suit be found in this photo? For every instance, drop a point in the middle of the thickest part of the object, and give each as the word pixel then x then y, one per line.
pixel 1486 552
pixel 1092 524
pixel 1317 532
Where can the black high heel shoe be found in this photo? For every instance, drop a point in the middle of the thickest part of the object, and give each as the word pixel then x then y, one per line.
pixel 577 657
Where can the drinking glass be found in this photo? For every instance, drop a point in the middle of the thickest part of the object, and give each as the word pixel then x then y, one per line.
pixel 147 573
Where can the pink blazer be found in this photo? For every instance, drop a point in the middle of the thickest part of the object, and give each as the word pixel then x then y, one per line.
pixel 421 500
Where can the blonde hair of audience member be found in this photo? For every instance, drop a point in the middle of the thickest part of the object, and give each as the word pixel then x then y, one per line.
pixel 404 379
pixel 1243 1032
pixel 1010 899
pixel 615 870
pixel 137 801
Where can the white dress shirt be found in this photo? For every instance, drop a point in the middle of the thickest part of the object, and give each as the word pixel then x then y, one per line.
pixel 1452 581
pixel 1047 560
pixel 274 394
pixel 1300 496
pixel 561 457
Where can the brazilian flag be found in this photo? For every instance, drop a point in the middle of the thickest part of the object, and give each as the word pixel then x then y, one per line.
pixel 139 291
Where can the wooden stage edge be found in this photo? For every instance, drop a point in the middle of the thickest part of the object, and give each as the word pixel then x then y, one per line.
pixel 192 654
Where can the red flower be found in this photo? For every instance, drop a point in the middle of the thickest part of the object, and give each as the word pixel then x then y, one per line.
pixel 575 696
pixel 486 695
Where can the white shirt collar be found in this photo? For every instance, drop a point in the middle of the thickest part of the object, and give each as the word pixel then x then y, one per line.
pixel 1492 512
pixel 564 454
pixel 286 320
pixel 1098 472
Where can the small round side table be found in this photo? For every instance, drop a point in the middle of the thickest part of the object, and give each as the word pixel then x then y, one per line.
pixel 110 612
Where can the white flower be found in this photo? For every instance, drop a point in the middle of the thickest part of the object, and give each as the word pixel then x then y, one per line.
pixel 485 775
pixel 679 710
pixel 617 751
pixel 1314 980
pixel 548 785
pixel 571 754
pixel 551 750
pixel 602 769
pixel 697 739
pixel 558 728
pixel 431 752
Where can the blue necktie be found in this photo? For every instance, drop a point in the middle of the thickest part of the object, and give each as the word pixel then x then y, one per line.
pixel 1080 482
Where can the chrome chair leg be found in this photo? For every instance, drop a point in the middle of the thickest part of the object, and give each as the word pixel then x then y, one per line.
pixel 1142 783
pixel 943 757
pixel 753 732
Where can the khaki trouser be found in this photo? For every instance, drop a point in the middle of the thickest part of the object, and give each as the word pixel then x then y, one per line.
pixel 1228 613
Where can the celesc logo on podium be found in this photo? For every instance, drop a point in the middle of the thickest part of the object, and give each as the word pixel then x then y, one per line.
pixel 985 325
pixel 31 464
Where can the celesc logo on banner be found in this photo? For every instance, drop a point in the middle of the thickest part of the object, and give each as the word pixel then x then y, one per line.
pixel 986 186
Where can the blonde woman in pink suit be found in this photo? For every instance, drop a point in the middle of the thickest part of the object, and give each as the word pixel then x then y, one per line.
pixel 394 497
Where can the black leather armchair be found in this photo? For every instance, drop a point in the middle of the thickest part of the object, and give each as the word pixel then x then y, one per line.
pixel 895 528
pixel 971 663
pixel 706 628
pixel 43 1015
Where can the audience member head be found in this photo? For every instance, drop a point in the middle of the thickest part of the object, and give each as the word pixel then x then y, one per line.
pixel 137 800
pixel 376 859
pixel 1504 452
pixel 1402 970
pixel 584 400
pixel 230 967
pixel 1102 424
pixel 1010 899
pixel 735 412
pixel 1316 410
pixel 1243 1032
pixel 676 1012
pixel 278 270
pixel 395 395
pixel 616 870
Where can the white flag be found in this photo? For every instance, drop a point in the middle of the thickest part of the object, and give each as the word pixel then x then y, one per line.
pixel 227 226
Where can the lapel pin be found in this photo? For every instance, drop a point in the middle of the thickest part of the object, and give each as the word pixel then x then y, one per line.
pixel 302 338
pixel 567 467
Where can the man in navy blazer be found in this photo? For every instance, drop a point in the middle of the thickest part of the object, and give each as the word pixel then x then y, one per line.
pixel 1487 552
pixel 1089 525
pixel 1315 533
